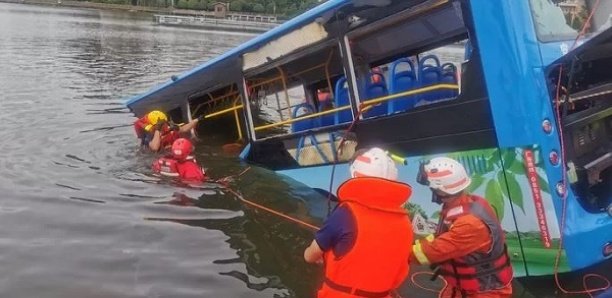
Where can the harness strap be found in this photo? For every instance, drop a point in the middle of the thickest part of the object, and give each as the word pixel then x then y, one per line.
pixel 355 291
pixel 483 260
pixel 460 276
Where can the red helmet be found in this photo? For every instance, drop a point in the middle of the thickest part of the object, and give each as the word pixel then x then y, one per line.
pixel 181 148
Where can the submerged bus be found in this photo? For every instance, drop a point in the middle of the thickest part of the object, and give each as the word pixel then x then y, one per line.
pixel 497 85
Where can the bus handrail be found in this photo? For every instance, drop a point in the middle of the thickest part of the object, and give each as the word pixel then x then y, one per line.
pixel 370 102
pixel 218 113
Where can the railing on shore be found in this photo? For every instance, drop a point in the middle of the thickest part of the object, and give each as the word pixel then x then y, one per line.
pixel 209 22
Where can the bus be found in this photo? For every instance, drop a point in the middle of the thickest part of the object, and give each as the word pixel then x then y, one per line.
pixel 518 91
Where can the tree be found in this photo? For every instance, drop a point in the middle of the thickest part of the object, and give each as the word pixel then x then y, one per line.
pixel 258 8
pixel 237 5
pixel 271 8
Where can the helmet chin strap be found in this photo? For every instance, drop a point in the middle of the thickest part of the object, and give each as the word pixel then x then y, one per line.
pixel 440 199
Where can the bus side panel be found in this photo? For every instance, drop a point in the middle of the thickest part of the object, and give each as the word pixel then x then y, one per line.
pixel 523 178
pixel 484 167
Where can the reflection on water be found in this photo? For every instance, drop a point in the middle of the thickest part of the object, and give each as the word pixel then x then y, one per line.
pixel 80 214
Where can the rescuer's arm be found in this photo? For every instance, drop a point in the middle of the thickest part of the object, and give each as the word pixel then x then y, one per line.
pixel 467 234
pixel 155 142
pixel 337 234
pixel 313 253
pixel 187 127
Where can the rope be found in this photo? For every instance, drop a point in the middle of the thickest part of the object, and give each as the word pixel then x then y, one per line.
pixel 413 280
pixel 226 179
pixel 586 290
pixel 362 108
pixel 272 211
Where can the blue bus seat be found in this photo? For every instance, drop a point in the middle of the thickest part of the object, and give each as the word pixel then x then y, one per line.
pixel 327 120
pixel 449 76
pixel 375 89
pixel 325 103
pixel 402 81
pixel 305 124
pixel 430 74
pixel 341 98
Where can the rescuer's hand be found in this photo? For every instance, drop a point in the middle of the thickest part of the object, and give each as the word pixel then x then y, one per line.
pixel 173 126
pixel 160 125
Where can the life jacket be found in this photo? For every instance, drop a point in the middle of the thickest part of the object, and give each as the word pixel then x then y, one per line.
pixel 170 167
pixel 477 272
pixel 142 126
pixel 377 263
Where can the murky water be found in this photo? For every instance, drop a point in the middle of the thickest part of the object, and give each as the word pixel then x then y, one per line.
pixel 80 214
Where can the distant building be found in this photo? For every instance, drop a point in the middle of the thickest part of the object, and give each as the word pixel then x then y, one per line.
pixel 221 9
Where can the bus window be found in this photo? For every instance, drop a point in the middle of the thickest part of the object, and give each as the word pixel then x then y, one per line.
pixel 276 105
pixel 562 19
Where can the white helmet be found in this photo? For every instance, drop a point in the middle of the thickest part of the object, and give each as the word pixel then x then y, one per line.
pixel 446 174
pixel 374 163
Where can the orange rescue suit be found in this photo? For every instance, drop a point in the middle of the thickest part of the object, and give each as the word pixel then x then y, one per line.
pixel 463 235
pixel 377 263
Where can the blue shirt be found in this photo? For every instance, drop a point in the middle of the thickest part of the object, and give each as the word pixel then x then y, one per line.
pixel 339 232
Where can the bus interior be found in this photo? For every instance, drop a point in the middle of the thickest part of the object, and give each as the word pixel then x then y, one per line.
pixel 433 71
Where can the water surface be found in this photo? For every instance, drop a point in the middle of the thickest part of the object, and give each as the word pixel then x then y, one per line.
pixel 80 214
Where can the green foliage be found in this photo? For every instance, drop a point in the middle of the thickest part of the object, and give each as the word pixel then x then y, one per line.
pixel 191 4
pixel 271 8
pixel 493 194
pixel 543 184
pixel 283 8
pixel 516 195
pixel 258 8
pixel 237 5
pixel 477 181
pixel 414 209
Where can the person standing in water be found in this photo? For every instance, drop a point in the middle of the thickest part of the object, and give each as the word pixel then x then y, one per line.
pixel 469 247
pixel 157 132
pixel 366 241
pixel 180 163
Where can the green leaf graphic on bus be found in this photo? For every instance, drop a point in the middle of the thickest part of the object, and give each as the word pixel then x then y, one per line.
pixel 499 172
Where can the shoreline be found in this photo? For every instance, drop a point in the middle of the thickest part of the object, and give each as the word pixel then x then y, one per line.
pixel 106 6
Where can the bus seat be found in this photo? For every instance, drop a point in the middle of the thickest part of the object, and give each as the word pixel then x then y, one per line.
pixel 342 99
pixel 402 81
pixel 449 76
pixel 376 87
pixel 325 103
pixel 429 74
pixel 327 120
pixel 305 124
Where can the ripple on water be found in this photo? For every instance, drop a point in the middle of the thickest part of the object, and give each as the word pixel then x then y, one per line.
pixel 81 216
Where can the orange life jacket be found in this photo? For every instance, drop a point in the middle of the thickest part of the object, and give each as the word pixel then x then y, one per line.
pixel 378 261
pixel 477 272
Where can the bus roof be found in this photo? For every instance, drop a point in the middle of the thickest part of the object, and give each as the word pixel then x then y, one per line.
pixel 174 92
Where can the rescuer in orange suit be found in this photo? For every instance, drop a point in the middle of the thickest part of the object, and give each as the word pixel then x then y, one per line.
pixel 365 243
pixel 468 249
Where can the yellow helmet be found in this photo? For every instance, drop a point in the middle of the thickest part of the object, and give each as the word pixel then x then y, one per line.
pixel 155 116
